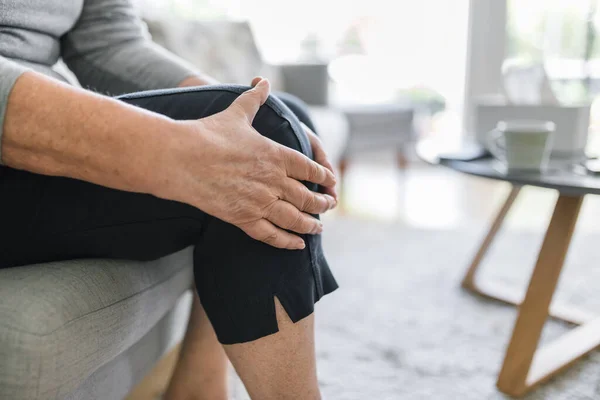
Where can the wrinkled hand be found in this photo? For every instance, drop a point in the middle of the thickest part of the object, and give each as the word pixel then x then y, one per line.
pixel 224 167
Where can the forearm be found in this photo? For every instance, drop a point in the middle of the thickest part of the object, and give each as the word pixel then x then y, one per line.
pixel 53 129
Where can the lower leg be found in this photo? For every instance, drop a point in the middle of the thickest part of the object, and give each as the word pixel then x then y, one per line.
pixel 201 372
pixel 281 366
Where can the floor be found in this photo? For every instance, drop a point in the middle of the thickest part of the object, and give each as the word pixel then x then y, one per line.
pixel 430 201
pixel 400 327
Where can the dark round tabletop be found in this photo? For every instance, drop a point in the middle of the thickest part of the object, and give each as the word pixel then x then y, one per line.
pixel 566 177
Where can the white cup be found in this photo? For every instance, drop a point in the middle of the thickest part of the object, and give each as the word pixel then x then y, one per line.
pixel 569 140
pixel 522 145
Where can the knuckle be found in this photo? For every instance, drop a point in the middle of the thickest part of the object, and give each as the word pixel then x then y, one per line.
pixel 313 172
pixel 271 238
pixel 297 222
pixel 321 204
pixel 294 192
pixel 295 196
pixel 269 211
pixel 289 158
pixel 309 202
pixel 237 108
pixel 276 154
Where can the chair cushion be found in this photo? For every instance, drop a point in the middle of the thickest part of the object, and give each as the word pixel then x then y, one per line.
pixel 61 321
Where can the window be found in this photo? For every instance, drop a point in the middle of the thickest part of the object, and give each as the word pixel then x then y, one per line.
pixel 563 36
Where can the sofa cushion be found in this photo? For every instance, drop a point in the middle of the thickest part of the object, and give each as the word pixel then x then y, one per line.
pixel 116 379
pixel 61 321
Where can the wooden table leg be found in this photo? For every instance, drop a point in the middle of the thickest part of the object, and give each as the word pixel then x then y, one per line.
pixel 507 294
pixel 521 371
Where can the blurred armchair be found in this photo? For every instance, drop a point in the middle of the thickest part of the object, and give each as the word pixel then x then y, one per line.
pixel 227 51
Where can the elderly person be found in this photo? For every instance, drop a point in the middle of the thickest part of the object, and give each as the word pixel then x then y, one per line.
pixel 226 168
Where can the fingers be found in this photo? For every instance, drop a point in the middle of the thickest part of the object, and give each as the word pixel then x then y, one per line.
pixel 256 80
pixel 251 100
pixel 300 167
pixel 286 216
pixel 305 200
pixel 320 157
pixel 317 147
pixel 264 231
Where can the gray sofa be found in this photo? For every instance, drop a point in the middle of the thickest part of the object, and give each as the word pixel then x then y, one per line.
pixel 92 329
pixel 89 329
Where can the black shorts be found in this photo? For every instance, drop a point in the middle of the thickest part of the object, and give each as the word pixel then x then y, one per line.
pixel 45 218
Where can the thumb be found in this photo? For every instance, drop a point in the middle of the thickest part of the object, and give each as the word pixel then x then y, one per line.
pixel 251 100
pixel 256 80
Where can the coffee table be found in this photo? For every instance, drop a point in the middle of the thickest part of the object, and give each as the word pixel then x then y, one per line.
pixel 525 365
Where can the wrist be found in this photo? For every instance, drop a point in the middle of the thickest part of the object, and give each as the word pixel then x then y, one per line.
pixel 165 173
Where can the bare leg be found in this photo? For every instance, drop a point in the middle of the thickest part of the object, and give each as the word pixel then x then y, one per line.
pixel 280 366
pixel 201 372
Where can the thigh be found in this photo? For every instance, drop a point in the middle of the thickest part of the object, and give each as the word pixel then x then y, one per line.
pixel 55 218
pixel 273 120
pixel 48 218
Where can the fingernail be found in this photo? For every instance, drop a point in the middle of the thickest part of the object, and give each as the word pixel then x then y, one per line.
pixel 260 78
pixel 301 245
pixel 317 229
pixel 331 201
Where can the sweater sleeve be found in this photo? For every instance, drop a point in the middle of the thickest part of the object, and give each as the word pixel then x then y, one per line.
pixel 9 73
pixel 109 51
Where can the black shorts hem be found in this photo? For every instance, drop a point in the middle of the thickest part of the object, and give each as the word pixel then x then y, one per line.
pixel 255 317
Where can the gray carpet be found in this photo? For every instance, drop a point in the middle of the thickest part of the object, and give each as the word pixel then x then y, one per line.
pixel 400 327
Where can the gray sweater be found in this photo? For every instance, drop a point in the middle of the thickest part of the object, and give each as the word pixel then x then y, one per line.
pixel 103 42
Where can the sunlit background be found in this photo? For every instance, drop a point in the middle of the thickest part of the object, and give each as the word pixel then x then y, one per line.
pixel 414 52
pixel 405 231
pixel 376 48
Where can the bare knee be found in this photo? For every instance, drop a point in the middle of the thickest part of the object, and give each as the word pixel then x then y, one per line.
pixel 281 366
